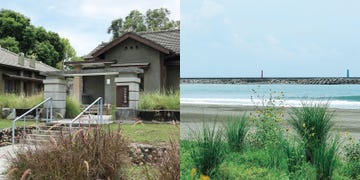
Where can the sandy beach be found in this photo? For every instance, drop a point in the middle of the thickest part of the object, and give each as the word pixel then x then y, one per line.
pixel 346 120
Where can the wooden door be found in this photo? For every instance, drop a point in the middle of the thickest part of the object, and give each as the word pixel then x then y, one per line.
pixel 122 96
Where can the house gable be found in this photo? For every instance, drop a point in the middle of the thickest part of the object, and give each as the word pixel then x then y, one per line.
pixel 127 36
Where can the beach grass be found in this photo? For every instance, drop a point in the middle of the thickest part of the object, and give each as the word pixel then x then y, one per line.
pixel 236 129
pixel 282 151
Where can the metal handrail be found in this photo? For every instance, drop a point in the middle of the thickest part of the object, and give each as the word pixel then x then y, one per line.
pixel 50 99
pixel 100 111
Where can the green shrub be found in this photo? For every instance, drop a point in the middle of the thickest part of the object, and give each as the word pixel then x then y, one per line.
pixel 352 155
pixel 208 149
pixel 160 100
pixel 325 157
pixel 73 107
pixel 268 119
pixel 235 130
pixel 86 154
pixel 312 122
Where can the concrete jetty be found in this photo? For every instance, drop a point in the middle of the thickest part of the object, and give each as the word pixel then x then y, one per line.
pixel 273 80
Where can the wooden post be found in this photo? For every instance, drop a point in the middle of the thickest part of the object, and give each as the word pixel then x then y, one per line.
pixel 78 85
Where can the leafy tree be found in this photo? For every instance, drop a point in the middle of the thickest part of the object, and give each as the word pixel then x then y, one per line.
pixel 157 19
pixel 135 21
pixel 28 40
pixel 18 35
pixel 46 53
pixel 12 24
pixel 116 28
pixel 154 20
pixel 10 43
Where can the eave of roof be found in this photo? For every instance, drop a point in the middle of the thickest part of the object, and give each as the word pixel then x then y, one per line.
pixel 90 62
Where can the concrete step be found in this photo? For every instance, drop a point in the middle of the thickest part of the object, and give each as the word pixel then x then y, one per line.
pixel 51 132
pixel 40 136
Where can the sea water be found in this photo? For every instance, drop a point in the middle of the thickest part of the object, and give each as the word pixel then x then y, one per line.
pixel 338 96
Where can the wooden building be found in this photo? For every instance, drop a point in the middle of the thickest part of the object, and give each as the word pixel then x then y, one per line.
pixel 21 75
pixel 134 62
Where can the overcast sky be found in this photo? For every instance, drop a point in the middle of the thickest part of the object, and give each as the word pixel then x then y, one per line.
pixel 84 22
pixel 240 38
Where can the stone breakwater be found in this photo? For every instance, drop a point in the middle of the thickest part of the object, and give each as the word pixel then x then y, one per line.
pixel 315 80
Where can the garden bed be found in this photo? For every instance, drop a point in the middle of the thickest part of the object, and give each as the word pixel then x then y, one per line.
pixel 159 115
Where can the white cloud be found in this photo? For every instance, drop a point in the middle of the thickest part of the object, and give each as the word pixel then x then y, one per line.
pixel 210 9
pixel 105 9
pixel 272 40
pixel 83 42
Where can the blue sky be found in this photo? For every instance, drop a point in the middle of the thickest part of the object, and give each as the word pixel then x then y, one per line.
pixel 84 22
pixel 282 37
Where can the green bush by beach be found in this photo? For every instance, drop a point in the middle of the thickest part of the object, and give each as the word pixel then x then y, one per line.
pixel 169 100
pixel 20 101
pixel 73 107
pixel 302 149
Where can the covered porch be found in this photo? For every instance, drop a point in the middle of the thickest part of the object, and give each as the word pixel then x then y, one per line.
pixel 118 87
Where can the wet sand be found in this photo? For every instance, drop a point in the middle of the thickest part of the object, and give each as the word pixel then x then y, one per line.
pixel 346 120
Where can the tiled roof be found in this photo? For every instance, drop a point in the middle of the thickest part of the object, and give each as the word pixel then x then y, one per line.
pixel 89 56
pixel 169 39
pixel 11 59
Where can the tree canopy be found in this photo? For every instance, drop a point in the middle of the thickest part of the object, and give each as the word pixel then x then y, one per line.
pixel 17 34
pixel 153 20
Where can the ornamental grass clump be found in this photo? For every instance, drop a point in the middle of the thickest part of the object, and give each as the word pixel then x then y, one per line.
pixel 73 107
pixel 312 122
pixel 236 129
pixel 169 100
pixel 96 153
pixel 20 101
pixel 207 150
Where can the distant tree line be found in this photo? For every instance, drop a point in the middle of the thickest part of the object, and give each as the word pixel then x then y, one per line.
pixel 17 34
pixel 153 20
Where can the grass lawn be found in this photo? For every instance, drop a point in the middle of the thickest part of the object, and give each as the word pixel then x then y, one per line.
pixel 150 133
pixel 142 133
pixel 5 123
pixel 253 163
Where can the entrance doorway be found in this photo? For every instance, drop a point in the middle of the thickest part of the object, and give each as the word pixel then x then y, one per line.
pixel 122 96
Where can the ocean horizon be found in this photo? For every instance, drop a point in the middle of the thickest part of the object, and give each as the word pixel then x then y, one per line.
pixel 346 96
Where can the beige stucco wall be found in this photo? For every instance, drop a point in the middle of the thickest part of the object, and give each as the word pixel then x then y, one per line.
pixel 141 54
